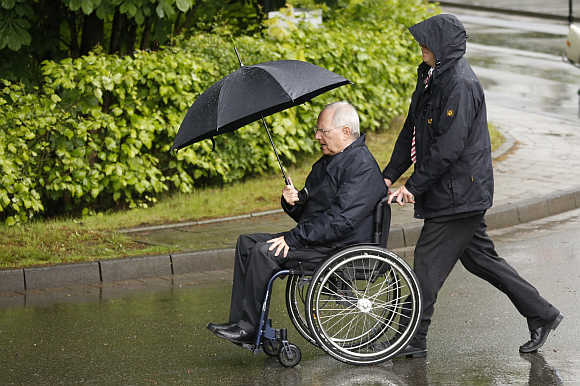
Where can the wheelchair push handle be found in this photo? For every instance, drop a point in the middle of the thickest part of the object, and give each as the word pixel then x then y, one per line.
pixel 380 205
pixel 382 222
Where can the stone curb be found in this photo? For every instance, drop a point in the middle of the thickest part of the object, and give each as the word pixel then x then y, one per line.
pixel 200 222
pixel 135 268
pixel 98 272
pixel 62 274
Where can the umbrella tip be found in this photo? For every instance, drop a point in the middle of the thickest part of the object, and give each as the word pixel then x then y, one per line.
pixel 238 55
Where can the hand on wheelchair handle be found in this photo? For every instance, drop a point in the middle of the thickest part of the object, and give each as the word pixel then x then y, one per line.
pixel 401 196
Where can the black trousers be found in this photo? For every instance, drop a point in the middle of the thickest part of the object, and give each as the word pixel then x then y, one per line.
pixel 439 247
pixel 253 267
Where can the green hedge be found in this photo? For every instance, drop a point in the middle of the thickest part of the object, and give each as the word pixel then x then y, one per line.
pixel 97 133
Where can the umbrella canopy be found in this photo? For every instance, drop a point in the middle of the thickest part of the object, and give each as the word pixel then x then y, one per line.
pixel 251 93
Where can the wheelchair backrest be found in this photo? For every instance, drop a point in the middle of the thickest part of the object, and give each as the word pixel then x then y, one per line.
pixel 381 226
pixel 382 222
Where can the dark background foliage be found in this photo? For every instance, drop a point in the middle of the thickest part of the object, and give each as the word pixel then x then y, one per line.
pixel 93 131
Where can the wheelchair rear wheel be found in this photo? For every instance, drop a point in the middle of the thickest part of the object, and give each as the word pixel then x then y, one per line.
pixel 363 304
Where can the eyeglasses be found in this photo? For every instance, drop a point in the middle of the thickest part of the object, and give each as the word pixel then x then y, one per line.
pixel 325 131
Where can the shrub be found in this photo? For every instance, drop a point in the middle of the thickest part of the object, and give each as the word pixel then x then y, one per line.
pixel 97 133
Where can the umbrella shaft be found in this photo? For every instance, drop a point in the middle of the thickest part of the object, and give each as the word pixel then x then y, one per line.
pixel 275 151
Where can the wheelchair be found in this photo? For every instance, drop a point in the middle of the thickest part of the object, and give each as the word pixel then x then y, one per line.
pixel 361 305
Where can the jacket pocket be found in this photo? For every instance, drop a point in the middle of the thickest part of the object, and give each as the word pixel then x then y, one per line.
pixel 440 197
pixel 464 190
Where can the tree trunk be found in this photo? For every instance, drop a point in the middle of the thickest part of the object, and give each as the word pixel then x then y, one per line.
pixel 272 5
pixel 176 26
pixel 50 22
pixel 107 101
pixel 189 17
pixel 93 33
pixel 154 43
pixel 115 42
pixel 146 35
pixel 130 37
pixel 74 43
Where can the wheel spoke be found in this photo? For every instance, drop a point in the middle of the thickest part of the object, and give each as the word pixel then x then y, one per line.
pixel 371 275
pixel 347 283
pixel 341 296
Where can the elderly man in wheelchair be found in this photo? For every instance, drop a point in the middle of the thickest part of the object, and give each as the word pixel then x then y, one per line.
pixel 358 303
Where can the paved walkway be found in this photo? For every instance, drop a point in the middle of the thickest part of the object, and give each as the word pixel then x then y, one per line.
pixel 530 96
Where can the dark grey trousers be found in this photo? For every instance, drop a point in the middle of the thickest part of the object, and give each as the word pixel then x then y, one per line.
pixel 439 247
pixel 253 267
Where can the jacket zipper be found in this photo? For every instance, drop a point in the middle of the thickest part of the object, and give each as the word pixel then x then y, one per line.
pixel 451 190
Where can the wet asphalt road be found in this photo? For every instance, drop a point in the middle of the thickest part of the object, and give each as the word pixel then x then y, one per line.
pixel 150 332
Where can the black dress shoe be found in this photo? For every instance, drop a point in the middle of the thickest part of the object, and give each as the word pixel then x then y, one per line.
pixel 539 335
pixel 236 334
pixel 411 351
pixel 213 327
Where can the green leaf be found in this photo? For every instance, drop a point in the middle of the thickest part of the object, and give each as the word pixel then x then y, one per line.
pixel 87 6
pixel 74 5
pixel 10 221
pixel 160 11
pixel 98 94
pixel 139 17
pixel 183 5
pixel 7 4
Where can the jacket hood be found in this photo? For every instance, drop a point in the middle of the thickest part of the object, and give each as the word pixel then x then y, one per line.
pixel 444 35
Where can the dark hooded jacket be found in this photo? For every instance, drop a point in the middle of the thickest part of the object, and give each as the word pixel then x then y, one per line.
pixel 453 173
pixel 343 191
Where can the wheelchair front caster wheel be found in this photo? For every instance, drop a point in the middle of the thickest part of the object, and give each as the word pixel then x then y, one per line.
pixel 271 347
pixel 290 355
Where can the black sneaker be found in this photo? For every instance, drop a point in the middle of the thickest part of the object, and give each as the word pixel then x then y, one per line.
pixel 213 327
pixel 411 351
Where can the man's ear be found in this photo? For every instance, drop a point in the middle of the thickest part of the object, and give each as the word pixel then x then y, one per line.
pixel 347 131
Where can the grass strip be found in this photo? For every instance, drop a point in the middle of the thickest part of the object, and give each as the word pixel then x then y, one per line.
pixel 67 240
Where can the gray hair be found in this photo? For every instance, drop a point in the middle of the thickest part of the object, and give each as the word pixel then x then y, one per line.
pixel 344 114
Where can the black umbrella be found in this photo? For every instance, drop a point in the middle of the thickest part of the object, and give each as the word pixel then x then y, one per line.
pixel 252 93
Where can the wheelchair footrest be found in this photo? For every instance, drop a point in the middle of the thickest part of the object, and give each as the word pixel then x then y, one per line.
pixel 248 346
pixel 282 335
pixel 278 334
